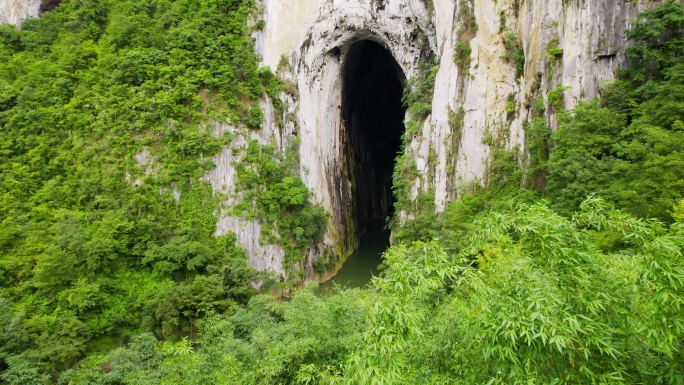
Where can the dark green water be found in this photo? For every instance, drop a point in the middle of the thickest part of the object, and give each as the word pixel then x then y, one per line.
pixel 363 263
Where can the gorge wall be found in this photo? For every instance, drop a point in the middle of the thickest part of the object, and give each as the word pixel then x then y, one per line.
pixel 14 11
pixel 483 96
pixel 569 46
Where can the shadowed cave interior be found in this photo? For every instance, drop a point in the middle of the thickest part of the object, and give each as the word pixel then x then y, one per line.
pixel 48 5
pixel 373 114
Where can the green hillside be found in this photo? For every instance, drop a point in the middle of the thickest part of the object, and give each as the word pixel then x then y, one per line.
pixel 566 268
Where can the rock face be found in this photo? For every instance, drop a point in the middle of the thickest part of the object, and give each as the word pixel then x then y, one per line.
pixel 223 179
pixel 568 45
pixel 480 97
pixel 14 11
pixel 318 40
pixel 574 44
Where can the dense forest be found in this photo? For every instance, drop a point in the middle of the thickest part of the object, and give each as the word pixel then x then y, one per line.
pixel 566 268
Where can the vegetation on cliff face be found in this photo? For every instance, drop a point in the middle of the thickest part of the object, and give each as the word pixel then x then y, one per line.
pixel 107 278
pixel 274 194
pixel 629 149
pixel 96 246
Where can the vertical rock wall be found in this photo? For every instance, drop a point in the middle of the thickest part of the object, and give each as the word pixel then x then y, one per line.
pixel 317 60
pixel 474 100
pixel 489 99
pixel 14 11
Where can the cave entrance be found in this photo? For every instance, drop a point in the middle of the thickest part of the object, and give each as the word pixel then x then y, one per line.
pixel 373 115
pixel 48 5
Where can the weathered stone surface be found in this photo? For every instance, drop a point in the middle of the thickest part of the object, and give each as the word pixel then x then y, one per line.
pixel 314 37
pixel 14 11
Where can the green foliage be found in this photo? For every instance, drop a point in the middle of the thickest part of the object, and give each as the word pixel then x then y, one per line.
pixel 529 298
pixel 678 211
pixel 456 122
pixel 514 52
pixel 466 17
pixel 556 97
pixel 631 150
pixel 504 169
pixel 553 51
pixel 417 98
pixel 538 107
pixel 584 156
pixel 637 166
pixel 422 226
pixel 660 36
pixel 520 294
pixel 93 245
pixel 404 175
pixel 537 137
pixel 466 32
pixel 510 106
pixel 418 92
pixel 110 272
pixel 462 52
pixel 273 193
pixel 23 372
pixel 305 340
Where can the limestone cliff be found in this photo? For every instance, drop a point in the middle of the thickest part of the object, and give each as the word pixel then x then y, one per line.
pixel 576 45
pixel 483 95
pixel 14 11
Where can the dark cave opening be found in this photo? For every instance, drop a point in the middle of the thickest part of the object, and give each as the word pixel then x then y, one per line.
pixel 373 114
pixel 49 5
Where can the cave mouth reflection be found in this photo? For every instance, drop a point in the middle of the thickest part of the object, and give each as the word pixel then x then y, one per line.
pixel 373 114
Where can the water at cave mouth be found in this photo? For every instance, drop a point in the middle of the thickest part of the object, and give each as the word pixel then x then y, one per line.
pixel 364 263
pixel 373 115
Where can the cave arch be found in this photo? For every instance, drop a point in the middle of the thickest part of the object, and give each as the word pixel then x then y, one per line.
pixel 372 115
